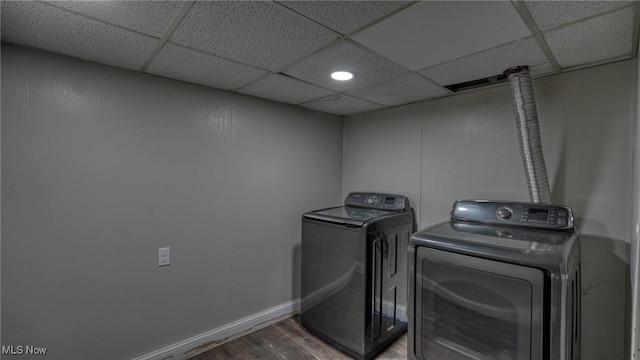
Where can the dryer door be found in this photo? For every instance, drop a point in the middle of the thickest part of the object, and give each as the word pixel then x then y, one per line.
pixel 473 308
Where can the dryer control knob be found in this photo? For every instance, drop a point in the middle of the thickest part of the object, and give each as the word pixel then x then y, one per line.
pixel 503 213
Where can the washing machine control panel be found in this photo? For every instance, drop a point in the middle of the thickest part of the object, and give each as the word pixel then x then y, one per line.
pixel 544 216
pixel 378 201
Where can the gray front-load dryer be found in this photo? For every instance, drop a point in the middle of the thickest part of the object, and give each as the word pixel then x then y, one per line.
pixel 354 272
pixel 498 281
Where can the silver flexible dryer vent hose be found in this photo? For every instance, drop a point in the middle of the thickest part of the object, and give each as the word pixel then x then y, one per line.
pixel 529 134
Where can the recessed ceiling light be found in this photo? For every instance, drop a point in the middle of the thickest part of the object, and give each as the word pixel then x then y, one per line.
pixel 342 75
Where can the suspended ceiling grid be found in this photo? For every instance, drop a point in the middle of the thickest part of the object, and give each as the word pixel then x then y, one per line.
pixel 400 51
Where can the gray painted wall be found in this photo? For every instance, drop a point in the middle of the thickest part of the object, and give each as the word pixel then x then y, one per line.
pixel 469 149
pixel 635 230
pixel 390 167
pixel 101 167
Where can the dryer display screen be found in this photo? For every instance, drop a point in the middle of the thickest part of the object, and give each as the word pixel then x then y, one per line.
pixel 538 216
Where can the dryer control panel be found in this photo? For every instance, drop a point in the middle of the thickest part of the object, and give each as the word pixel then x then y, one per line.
pixel 377 201
pixel 543 216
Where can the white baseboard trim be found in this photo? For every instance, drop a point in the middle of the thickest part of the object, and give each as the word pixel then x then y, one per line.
pixel 198 344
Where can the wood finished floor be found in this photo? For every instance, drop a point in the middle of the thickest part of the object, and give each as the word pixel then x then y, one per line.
pixel 287 339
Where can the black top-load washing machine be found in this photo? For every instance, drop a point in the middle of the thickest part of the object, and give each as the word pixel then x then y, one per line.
pixel 499 280
pixel 354 272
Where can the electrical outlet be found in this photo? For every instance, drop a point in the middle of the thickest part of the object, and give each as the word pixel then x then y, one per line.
pixel 164 256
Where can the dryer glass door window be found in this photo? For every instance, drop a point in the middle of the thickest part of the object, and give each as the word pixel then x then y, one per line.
pixel 471 308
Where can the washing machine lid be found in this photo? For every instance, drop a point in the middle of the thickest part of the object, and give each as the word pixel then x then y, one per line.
pixel 361 207
pixel 348 215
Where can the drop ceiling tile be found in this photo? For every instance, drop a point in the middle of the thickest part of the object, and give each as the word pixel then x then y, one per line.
pixel 45 27
pixel 487 63
pixel 369 68
pixel 344 17
pixel 285 89
pixel 149 17
pixel 597 39
pixel 549 14
pixel 341 105
pixel 403 90
pixel 542 69
pixel 434 32
pixel 193 66
pixel 258 33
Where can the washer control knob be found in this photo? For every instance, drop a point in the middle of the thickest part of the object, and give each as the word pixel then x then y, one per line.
pixel 372 200
pixel 503 213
